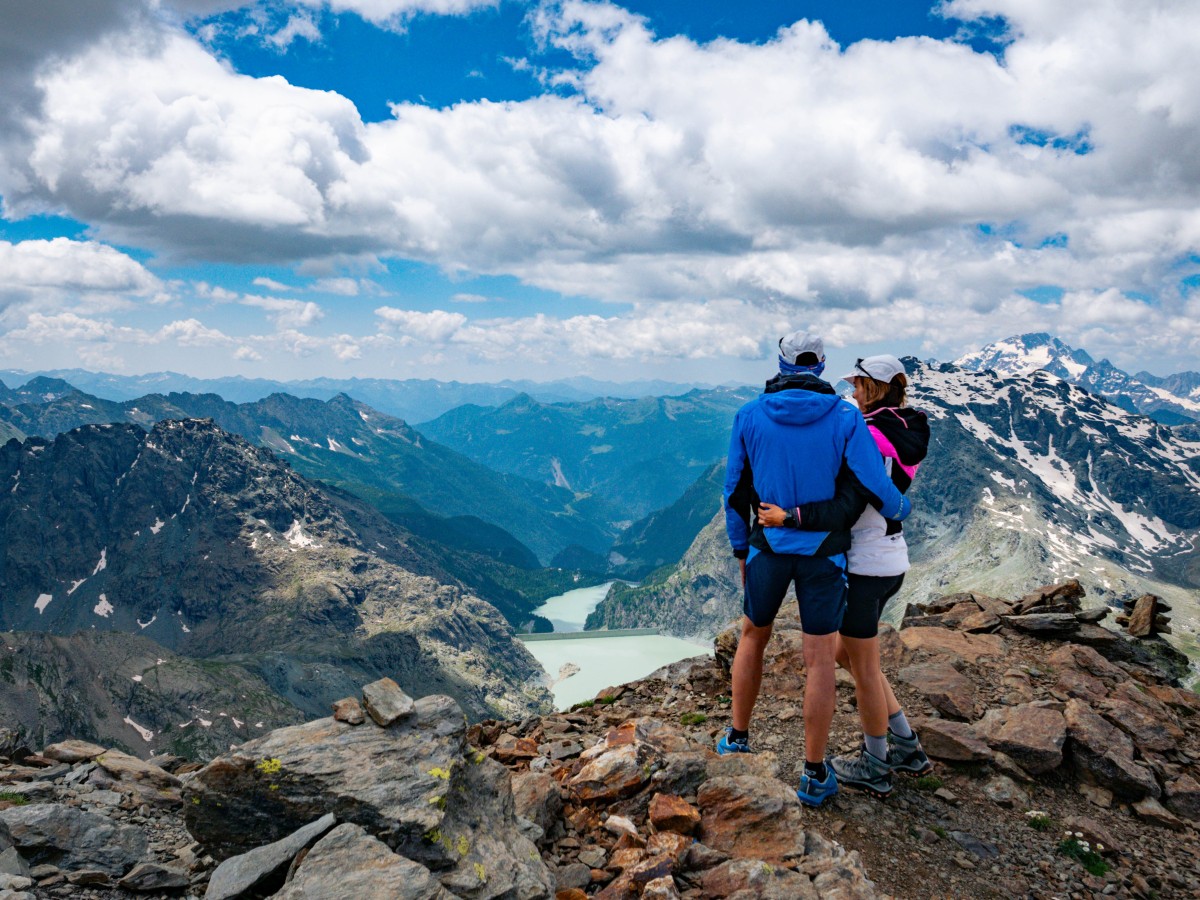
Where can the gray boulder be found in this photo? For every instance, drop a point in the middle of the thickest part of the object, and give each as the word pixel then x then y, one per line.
pixel 348 862
pixel 152 878
pixel 72 839
pixel 12 863
pixel 256 870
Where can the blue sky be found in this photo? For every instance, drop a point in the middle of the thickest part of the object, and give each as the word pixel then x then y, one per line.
pixel 478 190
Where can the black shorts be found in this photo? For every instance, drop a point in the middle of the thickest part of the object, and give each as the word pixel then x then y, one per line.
pixel 820 589
pixel 867 597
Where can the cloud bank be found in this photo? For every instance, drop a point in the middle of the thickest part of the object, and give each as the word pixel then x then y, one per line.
pixel 912 189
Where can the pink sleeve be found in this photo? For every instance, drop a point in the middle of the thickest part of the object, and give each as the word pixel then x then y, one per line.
pixel 888 449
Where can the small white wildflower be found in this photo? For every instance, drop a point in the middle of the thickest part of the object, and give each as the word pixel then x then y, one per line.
pixel 1067 833
pixel 1100 848
pixel 1079 834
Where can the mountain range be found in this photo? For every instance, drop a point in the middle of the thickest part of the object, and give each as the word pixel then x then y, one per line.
pixel 638 455
pixel 413 399
pixel 1171 400
pixel 345 442
pixel 216 549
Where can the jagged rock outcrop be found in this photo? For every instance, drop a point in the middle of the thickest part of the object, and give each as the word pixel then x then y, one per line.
pixel 413 784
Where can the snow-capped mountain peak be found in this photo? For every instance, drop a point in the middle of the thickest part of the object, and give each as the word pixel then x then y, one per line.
pixel 1025 353
pixel 1166 400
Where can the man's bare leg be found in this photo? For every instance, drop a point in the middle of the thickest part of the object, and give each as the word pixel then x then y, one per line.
pixel 820 697
pixel 747 671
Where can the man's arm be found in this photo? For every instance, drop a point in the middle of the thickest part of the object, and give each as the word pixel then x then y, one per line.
pixel 862 456
pixel 739 489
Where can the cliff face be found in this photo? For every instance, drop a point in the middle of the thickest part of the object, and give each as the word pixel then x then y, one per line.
pixel 212 547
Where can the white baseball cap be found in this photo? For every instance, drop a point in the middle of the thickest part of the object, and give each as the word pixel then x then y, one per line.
pixel 798 342
pixel 882 368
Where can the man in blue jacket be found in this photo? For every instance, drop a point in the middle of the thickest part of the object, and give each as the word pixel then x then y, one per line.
pixel 790 443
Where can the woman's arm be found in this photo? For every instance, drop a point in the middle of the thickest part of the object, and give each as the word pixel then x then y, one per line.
pixel 836 514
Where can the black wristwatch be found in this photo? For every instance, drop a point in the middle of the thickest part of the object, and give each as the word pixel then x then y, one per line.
pixel 790 521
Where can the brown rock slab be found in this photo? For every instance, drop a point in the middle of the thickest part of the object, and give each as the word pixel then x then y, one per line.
pixel 1102 754
pixel 952 741
pixel 783 666
pixel 1080 685
pixel 386 703
pixel 670 813
pixel 892 650
pixel 1094 615
pixel 669 843
pixel 942 642
pixel 510 749
pixel 1067 592
pixel 350 711
pixel 762 765
pixel 1154 812
pixel 1183 797
pixel 616 773
pixel 758 818
pixel 1032 735
pixel 995 605
pixel 1181 701
pixel 981 621
pixel 1151 725
pixel 950 692
pixel 1074 656
pixel 754 878
pixel 538 798
pixel 72 751
pixel 1141 619
pixel 960 612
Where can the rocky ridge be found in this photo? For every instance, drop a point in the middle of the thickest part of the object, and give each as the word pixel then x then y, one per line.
pixel 1043 725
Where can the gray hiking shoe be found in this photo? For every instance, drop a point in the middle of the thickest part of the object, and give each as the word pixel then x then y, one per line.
pixel 865 772
pixel 907 755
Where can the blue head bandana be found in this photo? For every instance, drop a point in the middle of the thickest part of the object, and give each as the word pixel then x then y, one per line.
pixel 787 368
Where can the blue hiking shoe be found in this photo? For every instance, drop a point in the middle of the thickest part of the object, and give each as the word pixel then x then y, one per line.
pixel 725 745
pixel 814 793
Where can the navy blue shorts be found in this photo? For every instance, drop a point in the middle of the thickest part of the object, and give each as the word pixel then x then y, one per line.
pixel 820 589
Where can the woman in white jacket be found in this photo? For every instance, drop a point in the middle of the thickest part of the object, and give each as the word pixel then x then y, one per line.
pixel 876 563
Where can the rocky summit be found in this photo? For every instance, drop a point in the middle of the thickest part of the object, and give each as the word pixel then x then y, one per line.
pixel 1067 765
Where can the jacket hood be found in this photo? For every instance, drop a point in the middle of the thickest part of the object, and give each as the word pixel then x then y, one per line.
pixel 798 407
pixel 906 428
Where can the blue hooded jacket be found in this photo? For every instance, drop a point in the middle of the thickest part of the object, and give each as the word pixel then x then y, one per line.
pixel 793 444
